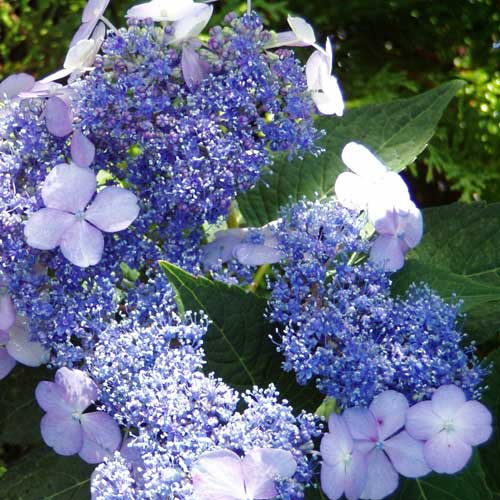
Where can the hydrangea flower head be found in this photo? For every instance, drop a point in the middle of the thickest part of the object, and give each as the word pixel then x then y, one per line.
pixel 343 470
pixel 224 474
pixel 65 427
pixel 450 426
pixel 67 223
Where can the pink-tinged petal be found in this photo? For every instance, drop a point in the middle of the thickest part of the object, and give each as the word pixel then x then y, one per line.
pixel 7 312
pixel 45 228
pixel 329 101
pixel 83 32
pixel 52 398
pixel 447 453
pixel 422 422
pixel 362 161
pixel 69 188
pixel 302 29
pixel 7 363
pixel 113 209
pixel 262 466
pixel 22 349
pixel 352 191
pixel 13 85
pixel 94 10
pixel 381 477
pixel 82 149
pixel 256 255
pixel 58 117
pixel 472 423
pixel 361 424
pixel 193 23
pixel 62 433
pixel 389 409
pixel 79 389
pixel 387 251
pixel 82 244
pixel 194 69
pixel 447 400
pixel 338 442
pixel 407 455
pixel 218 474
pixel 101 437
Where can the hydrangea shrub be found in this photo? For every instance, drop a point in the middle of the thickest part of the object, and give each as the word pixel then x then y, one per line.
pixel 222 271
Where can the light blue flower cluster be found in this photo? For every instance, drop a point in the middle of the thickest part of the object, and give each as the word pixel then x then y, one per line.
pixel 341 327
pixel 151 380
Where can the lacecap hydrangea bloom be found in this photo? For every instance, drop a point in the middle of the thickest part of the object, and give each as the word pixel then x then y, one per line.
pixel 181 148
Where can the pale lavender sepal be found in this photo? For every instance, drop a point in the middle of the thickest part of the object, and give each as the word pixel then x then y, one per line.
pixel 161 10
pixel 381 478
pixel 256 255
pixel 62 433
pixel 194 68
pixel 336 443
pixel 22 349
pixel 446 453
pixel 193 22
pixel 218 474
pixel 262 466
pixel 447 400
pixel 388 252
pixel 7 312
pixel 473 423
pixel 52 398
pixel 352 191
pixel 94 10
pixel 221 249
pixel 407 455
pixel 14 85
pixel 113 209
pixel 7 363
pixel 422 422
pixel 69 188
pixel 389 409
pixel 101 437
pixel 82 149
pixel 361 424
pixel 58 117
pixel 80 390
pixel 84 32
pixel 82 244
pixel 45 228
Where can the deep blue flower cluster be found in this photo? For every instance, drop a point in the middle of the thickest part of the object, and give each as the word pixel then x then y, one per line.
pixel 185 152
pixel 341 327
pixel 151 380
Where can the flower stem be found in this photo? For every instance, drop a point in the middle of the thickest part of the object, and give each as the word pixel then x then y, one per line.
pixel 249 6
pixel 259 276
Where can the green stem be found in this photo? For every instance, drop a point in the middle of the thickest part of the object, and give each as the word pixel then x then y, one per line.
pixel 259 276
pixel 233 219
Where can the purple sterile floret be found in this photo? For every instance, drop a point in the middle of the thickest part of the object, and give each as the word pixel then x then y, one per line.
pixel 450 426
pixel 65 427
pixel 375 431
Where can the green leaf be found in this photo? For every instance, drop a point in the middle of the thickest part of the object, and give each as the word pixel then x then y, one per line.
pixel 396 132
pixel 41 474
pixel 490 451
pixel 20 415
pixel 470 484
pixel 237 344
pixel 460 255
